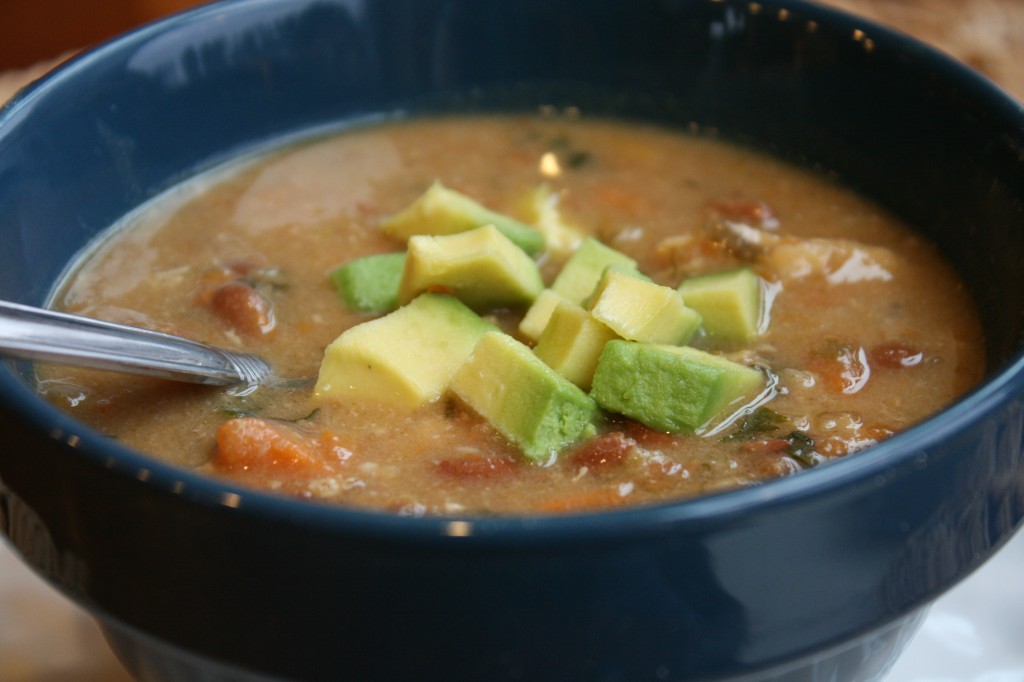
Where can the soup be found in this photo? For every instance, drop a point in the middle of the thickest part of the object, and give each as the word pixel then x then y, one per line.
pixel 862 329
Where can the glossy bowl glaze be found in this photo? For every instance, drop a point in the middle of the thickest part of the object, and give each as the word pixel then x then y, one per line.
pixel 823 575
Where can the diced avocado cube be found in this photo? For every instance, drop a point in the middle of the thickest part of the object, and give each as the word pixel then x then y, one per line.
pixel 370 284
pixel 671 388
pixel 572 342
pixel 540 208
pixel 536 318
pixel 405 358
pixel 582 272
pixel 440 210
pixel 730 303
pixel 643 311
pixel 481 267
pixel 534 407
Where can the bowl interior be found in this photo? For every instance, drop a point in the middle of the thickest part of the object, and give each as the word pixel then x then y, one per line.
pixel 926 138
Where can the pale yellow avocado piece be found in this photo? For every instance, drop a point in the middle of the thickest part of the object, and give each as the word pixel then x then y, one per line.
pixel 639 310
pixel 536 318
pixel 522 398
pixel 582 272
pixel 730 303
pixel 405 358
pixel 541 209
pixel 440 211
pixel 588 303
pixel 481 267
pixel 572 343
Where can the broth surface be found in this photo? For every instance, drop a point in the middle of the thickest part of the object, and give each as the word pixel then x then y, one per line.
pixel 869 330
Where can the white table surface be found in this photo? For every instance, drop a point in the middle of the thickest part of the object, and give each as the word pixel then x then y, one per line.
pixel 974 633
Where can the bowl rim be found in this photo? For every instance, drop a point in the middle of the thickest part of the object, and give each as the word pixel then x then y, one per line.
pixel 899 455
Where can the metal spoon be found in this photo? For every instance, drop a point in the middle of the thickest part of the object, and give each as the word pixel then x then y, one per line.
pixel 44 335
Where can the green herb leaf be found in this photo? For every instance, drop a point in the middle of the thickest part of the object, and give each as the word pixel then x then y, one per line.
pixel 801 448
pixel 578 158
pixel 760 421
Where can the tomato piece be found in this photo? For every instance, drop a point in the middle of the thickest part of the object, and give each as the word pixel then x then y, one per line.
pixel 603 451
pixel 842 368
pixel 643 435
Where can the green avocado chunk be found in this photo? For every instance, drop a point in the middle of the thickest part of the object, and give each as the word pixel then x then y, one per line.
pixel 729 302
pixel 370 284
pixel 538 410
pixel 671 388
pixel 482 267
pixel 405 358
pixel 440 210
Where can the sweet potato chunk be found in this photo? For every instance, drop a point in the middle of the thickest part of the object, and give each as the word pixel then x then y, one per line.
pixel 250 444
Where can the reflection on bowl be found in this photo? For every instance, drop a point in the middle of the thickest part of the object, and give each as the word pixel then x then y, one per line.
pixel 822 575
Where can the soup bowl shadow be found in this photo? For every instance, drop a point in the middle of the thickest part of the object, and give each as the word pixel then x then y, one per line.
pixel 823 575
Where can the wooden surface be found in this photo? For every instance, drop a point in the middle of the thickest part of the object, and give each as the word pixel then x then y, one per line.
pixel 37 30
pixel 986 34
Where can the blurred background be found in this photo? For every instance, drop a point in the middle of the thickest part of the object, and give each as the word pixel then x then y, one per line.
pixel 39 30
pixel 987 34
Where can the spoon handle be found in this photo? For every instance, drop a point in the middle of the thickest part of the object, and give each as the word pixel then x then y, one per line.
pixel 44 335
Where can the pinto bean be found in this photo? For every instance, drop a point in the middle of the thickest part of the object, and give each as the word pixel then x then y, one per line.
pixel 896 355
pixel 243 309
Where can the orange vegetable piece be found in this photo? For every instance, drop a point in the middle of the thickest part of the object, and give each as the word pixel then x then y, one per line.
pixel 250 444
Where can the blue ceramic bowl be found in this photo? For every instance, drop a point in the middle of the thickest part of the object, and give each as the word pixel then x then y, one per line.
pixel 821 576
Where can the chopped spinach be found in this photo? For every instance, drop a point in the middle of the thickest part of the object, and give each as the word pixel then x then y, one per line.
pixel 801 448
pixel 571 157
pixel 577 158
pixel 760 421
